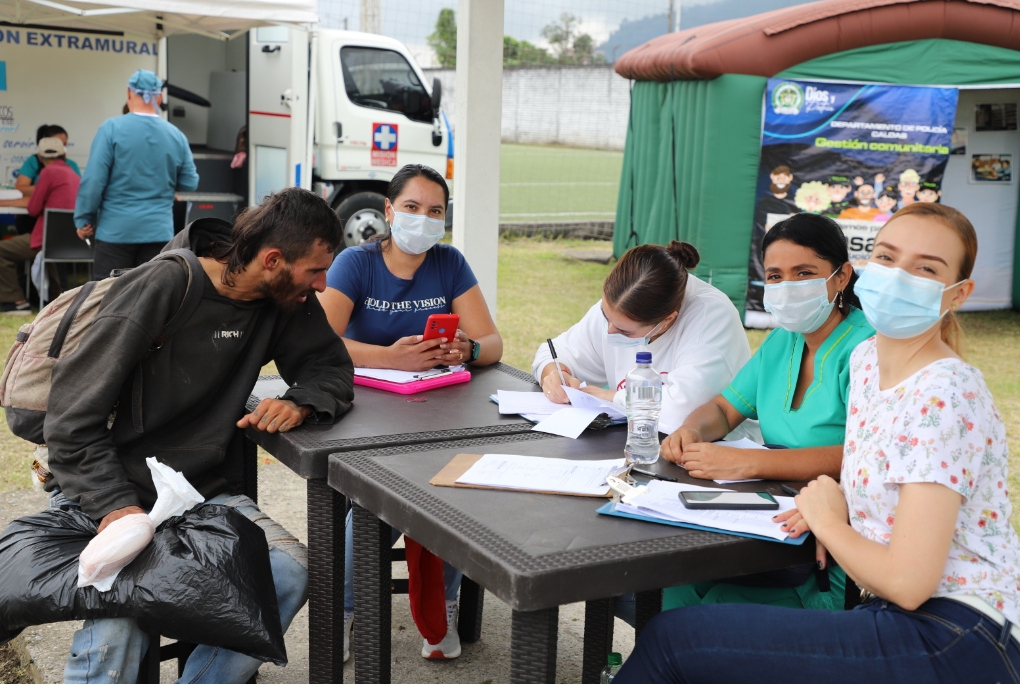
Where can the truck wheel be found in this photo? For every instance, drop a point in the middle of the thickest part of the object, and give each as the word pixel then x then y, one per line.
pixel 363 216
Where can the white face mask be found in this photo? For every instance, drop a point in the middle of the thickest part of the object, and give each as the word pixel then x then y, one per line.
pixel 416 233
pixel 621 340
pixel 799 306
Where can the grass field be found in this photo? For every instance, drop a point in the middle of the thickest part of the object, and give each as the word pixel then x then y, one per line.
pixel 543 183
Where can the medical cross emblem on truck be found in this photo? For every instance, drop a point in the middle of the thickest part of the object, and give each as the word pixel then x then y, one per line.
pixel 384 144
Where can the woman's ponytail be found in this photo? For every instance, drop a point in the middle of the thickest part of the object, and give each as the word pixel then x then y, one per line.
pixel 685 254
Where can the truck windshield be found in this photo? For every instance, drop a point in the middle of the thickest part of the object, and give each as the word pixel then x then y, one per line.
pixel 383 79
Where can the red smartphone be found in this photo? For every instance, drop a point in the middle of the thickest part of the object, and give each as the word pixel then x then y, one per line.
pixel 441 326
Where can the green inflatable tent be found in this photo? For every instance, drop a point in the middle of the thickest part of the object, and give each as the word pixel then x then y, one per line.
pixel 693 140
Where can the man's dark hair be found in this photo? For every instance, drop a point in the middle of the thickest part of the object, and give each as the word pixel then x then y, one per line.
pixel 292 221
pixel 825 238
pixel 48 131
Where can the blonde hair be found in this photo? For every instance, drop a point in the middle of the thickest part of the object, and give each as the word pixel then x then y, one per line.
pixel 951 331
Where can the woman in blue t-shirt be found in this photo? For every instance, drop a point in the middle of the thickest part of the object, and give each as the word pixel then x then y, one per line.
pixel 378 298
pixel 379 295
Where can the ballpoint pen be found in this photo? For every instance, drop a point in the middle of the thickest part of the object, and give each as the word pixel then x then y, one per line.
pixel 556 363
pixel 652 474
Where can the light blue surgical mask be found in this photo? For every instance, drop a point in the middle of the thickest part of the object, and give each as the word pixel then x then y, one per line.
pixel 897 304
pixel 799 306
pixel 416 233
pixel 621 340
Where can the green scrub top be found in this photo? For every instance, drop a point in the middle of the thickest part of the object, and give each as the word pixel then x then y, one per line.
pixel 821 418
pixel 33 167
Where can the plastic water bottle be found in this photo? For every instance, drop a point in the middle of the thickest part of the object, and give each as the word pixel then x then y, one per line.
pixel 612 668
pixel 644 401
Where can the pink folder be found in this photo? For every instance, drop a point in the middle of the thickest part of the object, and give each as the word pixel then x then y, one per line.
pixel 415 386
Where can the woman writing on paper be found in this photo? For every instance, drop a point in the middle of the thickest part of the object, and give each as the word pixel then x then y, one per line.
pixel 796 386
pixel 379 295
pixel 920 517
pixel 651 302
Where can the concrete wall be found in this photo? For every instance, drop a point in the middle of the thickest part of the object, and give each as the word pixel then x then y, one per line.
pixel 576 106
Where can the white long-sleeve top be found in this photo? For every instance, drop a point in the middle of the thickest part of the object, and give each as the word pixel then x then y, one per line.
pixel 701 352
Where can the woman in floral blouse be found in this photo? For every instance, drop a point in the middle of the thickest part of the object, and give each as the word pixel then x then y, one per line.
pixel 920 518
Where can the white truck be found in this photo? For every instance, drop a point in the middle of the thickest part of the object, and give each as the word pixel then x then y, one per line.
pixel 334 111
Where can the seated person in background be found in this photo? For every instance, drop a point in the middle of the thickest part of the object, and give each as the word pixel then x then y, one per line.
pixel 258 281
pixel 57 188
pixel 378 299
pixel 28 174
pixel 920 518
pixel 651 302
pixel 796 386
pixel 381 293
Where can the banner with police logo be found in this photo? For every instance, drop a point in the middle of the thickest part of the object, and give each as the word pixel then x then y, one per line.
pixel 853 152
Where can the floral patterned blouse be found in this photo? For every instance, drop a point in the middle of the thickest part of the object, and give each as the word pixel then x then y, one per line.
pixel 938 426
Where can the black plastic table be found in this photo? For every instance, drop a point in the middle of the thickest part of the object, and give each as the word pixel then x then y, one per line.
pixel 377 419
pixel 535 552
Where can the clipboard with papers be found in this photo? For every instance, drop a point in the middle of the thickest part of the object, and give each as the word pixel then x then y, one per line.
pixel 610 509
pixel 659 502
pixel 543 475
pixel 409 382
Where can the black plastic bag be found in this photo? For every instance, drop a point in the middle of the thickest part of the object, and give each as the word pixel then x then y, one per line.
pixel 205 578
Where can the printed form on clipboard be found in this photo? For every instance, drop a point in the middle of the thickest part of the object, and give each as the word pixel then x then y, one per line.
pixel 662 504
pixel 536 474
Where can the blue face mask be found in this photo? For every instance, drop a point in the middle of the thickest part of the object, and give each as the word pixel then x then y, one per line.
pixel 897 304
pixel 621 340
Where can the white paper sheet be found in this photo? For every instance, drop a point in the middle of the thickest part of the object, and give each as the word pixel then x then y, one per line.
pixel 663 501
pixel 270 388
pixel 513 402
pixel 583 399
pixel 569 422
pixel 581 477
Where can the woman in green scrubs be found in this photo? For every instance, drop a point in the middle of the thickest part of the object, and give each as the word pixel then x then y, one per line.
pixel 796 386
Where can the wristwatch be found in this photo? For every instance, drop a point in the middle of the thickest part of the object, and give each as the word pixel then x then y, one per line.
pixel 476 349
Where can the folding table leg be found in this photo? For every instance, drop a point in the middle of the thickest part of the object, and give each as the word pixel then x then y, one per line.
pixel 533 646
pixel 598 638
pixel 250 467
pixel 372 598
pixel 326 512
pixel 649 604
pixel 469 623
pixel 148 671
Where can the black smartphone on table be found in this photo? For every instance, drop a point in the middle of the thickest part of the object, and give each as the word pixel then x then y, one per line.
pixel 695 499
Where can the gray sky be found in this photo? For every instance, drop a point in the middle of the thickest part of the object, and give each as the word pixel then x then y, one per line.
pixel 410 21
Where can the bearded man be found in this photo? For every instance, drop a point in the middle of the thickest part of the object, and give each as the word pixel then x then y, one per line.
pixel 121 397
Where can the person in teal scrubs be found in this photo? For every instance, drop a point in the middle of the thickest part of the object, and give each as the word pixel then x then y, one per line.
pixel 796 386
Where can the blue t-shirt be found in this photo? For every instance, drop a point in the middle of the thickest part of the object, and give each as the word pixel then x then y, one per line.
pixel 387 308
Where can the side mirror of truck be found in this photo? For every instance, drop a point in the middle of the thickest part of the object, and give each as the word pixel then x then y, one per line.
pixel 437 95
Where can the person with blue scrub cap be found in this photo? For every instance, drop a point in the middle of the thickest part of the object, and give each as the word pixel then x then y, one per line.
pixel 137 163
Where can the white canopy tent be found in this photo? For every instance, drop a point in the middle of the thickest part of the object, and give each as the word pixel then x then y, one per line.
pixel 222 19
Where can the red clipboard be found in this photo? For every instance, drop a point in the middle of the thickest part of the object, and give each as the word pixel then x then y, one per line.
pixel 414 386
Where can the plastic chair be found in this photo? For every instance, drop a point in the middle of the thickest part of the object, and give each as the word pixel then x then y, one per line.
pixel 60 239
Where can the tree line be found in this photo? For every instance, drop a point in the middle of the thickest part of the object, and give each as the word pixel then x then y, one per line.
pixel 568 46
